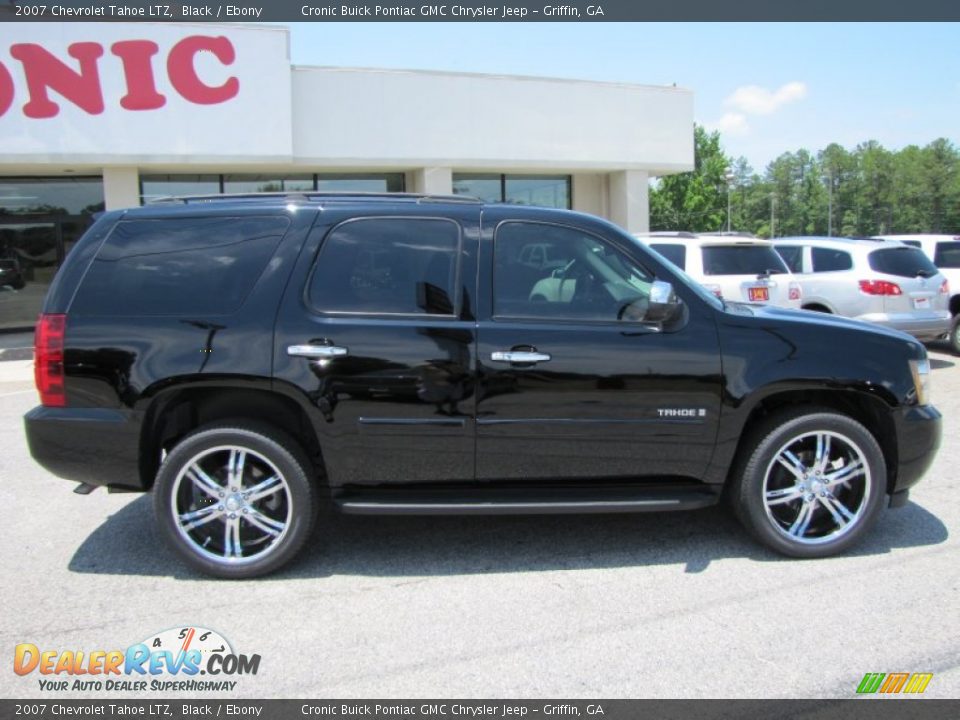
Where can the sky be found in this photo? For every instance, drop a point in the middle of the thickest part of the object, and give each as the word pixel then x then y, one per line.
pixel 768 87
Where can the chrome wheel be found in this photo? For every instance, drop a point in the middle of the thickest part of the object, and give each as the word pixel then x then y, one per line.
pixel 231 505
pixel 817 487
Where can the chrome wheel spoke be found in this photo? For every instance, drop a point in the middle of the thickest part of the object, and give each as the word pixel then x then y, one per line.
pixel 792 463
pixel 854 469
pixel 838 518
pixel 800 525
pixel 238 459
pixel 833 504
pixel 783 495
pixel 231 538
pixel 204 482
pixel 195 519
pixel 823 452
pixel 266 524
pixel 263 489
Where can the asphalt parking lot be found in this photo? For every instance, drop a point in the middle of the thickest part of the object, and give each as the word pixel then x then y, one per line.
pixel 673 605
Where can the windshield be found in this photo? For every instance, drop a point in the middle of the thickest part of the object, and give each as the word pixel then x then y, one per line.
pixel 742 260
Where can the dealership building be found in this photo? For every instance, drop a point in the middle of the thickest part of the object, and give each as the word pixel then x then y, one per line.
pixel 112 115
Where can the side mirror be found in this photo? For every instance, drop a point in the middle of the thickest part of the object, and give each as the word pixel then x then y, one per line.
pixel 664 303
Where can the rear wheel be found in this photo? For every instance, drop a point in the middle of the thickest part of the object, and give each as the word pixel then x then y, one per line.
pixel 811 483
pixel 954 336
pixel 236 501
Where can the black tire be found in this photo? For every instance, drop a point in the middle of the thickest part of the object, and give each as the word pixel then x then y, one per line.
pixel 795 511
pixel 236 533
pixel 954 337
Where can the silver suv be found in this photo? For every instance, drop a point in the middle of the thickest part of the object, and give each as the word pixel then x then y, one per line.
pixel 887 283
pixel 731 266
pixel 944 251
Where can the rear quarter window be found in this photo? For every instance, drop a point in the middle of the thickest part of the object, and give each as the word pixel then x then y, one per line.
pixel 902 262
pixel 947 255
pixel 178 266
pixel 830 260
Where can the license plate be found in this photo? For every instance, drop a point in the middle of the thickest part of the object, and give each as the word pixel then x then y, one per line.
pixel 758 294
pixel 921 303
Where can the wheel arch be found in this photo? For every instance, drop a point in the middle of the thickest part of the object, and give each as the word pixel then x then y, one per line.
pixel 867 409
pixel 177 411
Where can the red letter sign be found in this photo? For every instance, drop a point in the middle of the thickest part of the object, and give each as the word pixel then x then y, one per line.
pixel 42 71
pixel 6 89
pixel 138 69
pixel 183 74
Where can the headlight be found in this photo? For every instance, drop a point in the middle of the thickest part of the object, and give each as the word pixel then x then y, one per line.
pixel 920 369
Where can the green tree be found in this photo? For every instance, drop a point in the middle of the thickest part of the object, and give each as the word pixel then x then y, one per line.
pixel 697 200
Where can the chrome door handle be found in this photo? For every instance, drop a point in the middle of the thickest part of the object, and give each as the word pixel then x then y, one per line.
pixel 317 351
pixel 519 356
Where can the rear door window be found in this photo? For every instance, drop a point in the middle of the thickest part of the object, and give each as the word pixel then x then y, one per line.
pixel 742 260
pixel 903 262
pixel 830 260
pixel 388 266
pixel 947 255
pixel 178 266
pixel 674 252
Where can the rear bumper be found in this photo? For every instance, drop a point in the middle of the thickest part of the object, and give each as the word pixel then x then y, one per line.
pixel 926 326
pixel 918 438
pixel 96 446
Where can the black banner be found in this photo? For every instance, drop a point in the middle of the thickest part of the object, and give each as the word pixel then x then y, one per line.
pixel 472 11
pixel 866 709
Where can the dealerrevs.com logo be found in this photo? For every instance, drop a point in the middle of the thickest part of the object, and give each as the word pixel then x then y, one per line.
pixel 188 659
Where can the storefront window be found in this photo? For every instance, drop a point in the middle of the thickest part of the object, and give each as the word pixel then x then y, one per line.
pixel 488 188
pixel 51 196
pixel 40 220
pixel 544 191
pixel 154 187
pixel 541 190
pixel 267 183
pixel 378 182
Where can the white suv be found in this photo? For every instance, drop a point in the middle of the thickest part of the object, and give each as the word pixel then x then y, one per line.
pixel 887 283
pixel 944 251
pixel 733 267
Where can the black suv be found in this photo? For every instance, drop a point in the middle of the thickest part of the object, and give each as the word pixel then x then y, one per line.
pixel 249 357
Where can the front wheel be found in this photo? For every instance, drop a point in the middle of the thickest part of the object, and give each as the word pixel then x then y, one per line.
pixel 234 501
pixel 810 483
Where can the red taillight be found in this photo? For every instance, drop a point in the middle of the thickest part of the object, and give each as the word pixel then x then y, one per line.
pixel 796 292
pixel 715 289
pixel 945 288
pixel 880 287
pixel 48 360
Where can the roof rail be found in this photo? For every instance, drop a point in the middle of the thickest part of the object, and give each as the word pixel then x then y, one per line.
pixel 313 196
pixel 730 233
pixel 667 234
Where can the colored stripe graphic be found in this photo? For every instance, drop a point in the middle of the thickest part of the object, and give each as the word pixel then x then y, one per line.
pixel 893 683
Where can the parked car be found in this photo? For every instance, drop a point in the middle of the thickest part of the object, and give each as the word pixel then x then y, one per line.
pixel 944 251
pixel 888 284
pixel 730 265
pixel 248 358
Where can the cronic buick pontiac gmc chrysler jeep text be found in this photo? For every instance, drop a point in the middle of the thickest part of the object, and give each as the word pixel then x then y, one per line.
pixel 246 358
